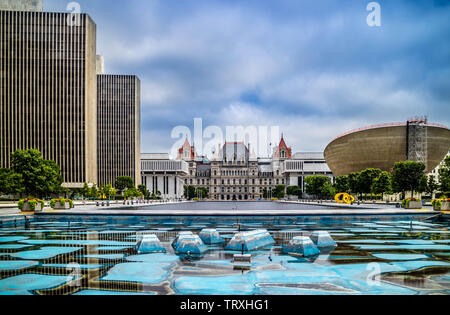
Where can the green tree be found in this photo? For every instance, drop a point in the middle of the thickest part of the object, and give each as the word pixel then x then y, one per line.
pixel 423 184
pixel 51 179
pixel 366 179
pixel 432 186
pixel 39 177
pixel 64 191
pixel 143 189
pixel 202 192
pixel 279 192
pixel 123 182
pixel 107 191
pixel 327 190
pixel 318 185
pixel 132 192
pixel 294 191
pixel 101 192
pixel 11 183
pixel 85 191
pixel 407 176
pixel 342 184
pixel 189 192
pixel 444 176
pixel 382 184
pixel 354 183
pixel 268 193
pixel 94 192
pixel 74 193
pixel 113 193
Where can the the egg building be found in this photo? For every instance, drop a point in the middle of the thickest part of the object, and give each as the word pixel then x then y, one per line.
pixel 381 146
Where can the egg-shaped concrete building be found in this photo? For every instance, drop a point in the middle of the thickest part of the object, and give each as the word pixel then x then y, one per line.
pixel 381 146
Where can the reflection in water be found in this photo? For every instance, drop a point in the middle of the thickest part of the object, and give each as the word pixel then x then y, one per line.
pixel 100 258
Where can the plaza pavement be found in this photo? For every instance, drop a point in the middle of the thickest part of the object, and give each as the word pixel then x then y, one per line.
pixel 264 209
pixel 304 209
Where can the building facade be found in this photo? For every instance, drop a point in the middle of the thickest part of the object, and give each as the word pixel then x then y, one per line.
pixel 163 176
pixel 381 146
pixel 118 125
pixel 48 89
pixel 237 174
pixel 305 164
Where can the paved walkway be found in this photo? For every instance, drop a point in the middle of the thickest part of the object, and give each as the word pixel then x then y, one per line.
pixel 12 211
pixel 168 212
pixel 227 209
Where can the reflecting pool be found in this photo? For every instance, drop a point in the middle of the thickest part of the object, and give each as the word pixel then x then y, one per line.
pixel 82 255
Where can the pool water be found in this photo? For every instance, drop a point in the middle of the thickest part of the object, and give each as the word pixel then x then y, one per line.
pixel 97 256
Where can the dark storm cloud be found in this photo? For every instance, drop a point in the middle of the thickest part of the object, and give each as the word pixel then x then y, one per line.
pixel 313 64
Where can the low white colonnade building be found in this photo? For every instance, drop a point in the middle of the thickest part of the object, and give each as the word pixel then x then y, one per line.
pixel 163 175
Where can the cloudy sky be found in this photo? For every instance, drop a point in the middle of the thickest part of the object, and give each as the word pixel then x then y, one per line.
pixel 314 68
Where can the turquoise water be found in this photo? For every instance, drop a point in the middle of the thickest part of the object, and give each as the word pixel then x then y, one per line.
pixel 86 256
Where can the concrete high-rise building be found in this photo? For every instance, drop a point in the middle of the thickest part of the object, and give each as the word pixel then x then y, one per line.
pixel 118 108
pixel 48 89
pixel 22 5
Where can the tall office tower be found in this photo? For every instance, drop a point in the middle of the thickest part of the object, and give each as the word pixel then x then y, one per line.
pixel 118 108
pixel 22 5
pixel 48 90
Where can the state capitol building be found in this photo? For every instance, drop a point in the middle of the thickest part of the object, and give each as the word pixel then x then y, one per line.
pixel 234 173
